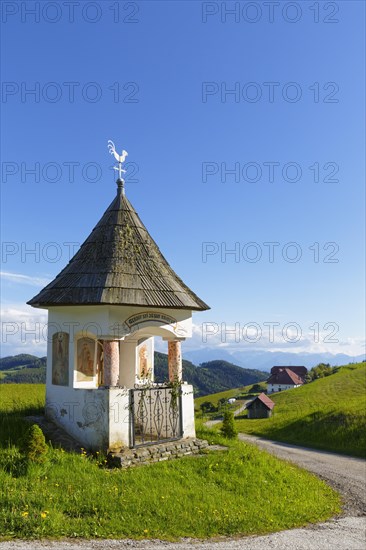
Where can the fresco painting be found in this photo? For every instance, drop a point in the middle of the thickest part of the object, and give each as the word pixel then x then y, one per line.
pixel 85 360
pixel 60 359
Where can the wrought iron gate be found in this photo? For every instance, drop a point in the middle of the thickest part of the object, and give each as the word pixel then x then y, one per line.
pixel 156 415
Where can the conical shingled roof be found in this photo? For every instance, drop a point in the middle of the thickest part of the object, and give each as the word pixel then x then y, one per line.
pixel 119 264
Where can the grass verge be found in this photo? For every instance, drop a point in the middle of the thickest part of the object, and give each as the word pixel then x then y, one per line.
pixel 241 491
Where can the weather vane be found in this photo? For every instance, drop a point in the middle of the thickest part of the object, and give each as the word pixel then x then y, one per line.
pixel 119 158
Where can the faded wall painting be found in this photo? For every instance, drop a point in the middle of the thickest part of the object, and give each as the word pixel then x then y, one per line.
pixel 85 360
pixel 60 359
pixel 100 362
pixel 145 358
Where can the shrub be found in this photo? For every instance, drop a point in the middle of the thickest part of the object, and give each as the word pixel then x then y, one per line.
pixel 35 447
pixel 256 388
pixel 222 403
pixel 207 406
pixel 228 426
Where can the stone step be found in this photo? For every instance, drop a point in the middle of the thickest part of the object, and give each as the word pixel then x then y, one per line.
pixel 156 453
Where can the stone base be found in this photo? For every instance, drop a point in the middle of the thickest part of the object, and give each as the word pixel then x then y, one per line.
pixel 156 453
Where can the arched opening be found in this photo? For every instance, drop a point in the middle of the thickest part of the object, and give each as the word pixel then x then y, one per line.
pixel 137 356
pixel 156 408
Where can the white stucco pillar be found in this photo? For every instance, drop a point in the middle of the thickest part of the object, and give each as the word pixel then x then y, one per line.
pixel 111 363
pixel 127 360
pixel 174 361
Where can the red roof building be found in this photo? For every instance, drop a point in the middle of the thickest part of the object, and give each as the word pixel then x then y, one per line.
pixel 284 378
pixel 261 407
pixel 300 371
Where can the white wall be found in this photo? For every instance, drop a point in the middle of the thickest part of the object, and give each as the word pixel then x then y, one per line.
pixel 81 413
pixel 99 417
pixel 188 423
pixel 119 414
pixel 272 388
pixel 127 364
pixel 109 321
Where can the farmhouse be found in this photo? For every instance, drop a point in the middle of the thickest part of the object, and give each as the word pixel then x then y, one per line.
pixel 285 378
pixel 300 371
pixel 261 407
pixel 104 310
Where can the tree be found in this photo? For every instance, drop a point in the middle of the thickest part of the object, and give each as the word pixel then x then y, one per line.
pixel 228 426
pixel 256 388
pixel 321 370
pixel 35 447
pixel 207 406
pixel 222 403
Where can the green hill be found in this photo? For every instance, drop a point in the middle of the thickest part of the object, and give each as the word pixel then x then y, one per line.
pixel 329 413
pixel 20 361
pixel 23 369
pixel 240 394
pixel 210 377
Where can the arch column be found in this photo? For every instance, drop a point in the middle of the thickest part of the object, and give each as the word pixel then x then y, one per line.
pixel 110 362
pixel 174 361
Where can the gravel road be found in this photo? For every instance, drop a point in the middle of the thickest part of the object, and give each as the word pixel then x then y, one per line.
pixel 341 534
pixel 347 475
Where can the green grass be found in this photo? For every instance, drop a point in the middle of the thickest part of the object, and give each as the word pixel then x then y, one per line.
pixel 241 393
pixel 239 491
pixel 17 401
pixel 329 414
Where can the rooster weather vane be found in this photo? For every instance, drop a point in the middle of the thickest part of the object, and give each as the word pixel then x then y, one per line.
pixel 119 158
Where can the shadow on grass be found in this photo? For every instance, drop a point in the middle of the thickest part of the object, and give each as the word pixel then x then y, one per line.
pixel 242 416
pixel 13 425
pixel 13 462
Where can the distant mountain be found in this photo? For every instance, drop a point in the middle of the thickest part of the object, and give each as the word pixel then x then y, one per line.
pixel 265 360
pixel 210 377
pixel 22 360
pixel 23 369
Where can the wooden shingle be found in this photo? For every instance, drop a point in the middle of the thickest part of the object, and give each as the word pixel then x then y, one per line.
pixel 119 264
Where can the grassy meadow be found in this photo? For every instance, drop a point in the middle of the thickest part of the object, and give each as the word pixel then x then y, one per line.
pixel 329 414
pixel 240 394
pixel 241 491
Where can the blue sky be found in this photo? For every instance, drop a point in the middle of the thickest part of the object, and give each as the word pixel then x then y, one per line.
pixel 192 91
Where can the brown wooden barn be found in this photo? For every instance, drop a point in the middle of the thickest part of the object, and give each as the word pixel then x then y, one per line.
pixel 261 407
